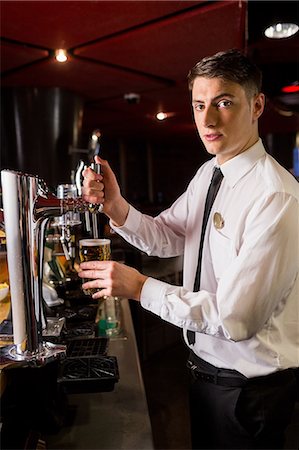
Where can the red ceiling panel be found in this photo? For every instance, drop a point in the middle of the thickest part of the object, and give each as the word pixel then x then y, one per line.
pixel 120 120
pixel 87 79
pixel 151 102
pixel 116 114
pixel 66 24
pixel 170 47
pixel 122 46
pixel 13 55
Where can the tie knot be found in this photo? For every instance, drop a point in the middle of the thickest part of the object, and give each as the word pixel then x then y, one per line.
pixel 217 176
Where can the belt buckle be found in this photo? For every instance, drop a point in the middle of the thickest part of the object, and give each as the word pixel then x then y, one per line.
pixel 193 369
pixel 206 377
pixel 191 365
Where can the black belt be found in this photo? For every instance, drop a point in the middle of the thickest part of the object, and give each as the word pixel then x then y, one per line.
pixel 217 377
pixel 203 371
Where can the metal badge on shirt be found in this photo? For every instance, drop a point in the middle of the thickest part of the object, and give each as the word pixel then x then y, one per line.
pixel 218 221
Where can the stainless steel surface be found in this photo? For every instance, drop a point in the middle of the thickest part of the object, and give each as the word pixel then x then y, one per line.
pixel 99 208
pixel 27 208
pixel 28 205
pixel 111 420
pixel 95 231
pixel 66 221
pixel 90 225
pixel 46 353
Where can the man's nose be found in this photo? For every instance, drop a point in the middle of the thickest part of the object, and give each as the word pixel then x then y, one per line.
pixel 209 118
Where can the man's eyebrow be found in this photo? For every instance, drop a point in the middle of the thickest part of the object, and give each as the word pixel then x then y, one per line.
pixel 215 99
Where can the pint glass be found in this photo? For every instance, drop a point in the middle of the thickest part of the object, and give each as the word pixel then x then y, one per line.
pixel 94 250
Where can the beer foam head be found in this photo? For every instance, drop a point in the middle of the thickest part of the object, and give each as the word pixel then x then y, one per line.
pixel 93 242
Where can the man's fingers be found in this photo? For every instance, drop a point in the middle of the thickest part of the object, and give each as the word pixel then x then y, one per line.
pixel 98 265
pixel 101 293
pixel 91 274
pixel 99 160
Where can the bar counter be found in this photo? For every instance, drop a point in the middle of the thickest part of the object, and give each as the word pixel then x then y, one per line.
pixel 111 420
pixel 116 419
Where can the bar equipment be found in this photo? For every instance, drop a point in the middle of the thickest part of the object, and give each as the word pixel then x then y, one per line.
pixel 28 206
pixel 94 250
pixel 94 150
pixel 94 146
pixel 67 220
pixel 109 317
pixel 60 244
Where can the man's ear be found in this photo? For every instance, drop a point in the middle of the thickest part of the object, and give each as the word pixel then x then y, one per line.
pixel 258 106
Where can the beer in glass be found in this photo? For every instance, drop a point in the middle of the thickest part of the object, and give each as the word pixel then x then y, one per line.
pixel 94 250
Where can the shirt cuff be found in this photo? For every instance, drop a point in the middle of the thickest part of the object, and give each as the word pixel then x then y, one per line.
pixel 132 221
pixel 153 295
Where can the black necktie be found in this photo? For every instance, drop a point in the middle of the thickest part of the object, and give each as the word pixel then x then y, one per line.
pixel 211 195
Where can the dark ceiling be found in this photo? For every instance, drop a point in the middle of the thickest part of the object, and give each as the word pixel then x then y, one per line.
pixel 147 48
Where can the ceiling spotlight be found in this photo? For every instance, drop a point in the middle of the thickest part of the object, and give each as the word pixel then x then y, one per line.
pixel 61 55
pixel 161 115
pixel 281 30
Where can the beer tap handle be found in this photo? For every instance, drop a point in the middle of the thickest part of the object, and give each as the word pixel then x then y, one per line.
pixel 65 251
pixel 87 221
pixel 94 218
pixel 96 208
pixel 78 177
pixel 95 148
pixel 78 180
pixel 64 239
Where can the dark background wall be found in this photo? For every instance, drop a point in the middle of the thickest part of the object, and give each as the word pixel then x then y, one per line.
pixel 40 125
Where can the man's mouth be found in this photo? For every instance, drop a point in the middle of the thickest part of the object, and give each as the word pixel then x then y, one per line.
pixel 212 137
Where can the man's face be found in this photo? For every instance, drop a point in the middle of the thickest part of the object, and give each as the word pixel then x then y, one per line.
pixel 226 119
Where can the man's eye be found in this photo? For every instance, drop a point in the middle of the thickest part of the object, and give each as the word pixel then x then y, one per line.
pixel 224 104
pixel 199 107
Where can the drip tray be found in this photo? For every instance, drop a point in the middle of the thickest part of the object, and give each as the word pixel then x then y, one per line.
pixel 85 348
pixel 87 368
pixel 95 374
pixel 82 330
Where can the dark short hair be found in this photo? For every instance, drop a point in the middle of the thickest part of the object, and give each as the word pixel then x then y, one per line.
pixel 231 65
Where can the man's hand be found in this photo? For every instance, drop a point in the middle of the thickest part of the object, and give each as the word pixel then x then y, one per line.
pixel 112 278
pixel 103 188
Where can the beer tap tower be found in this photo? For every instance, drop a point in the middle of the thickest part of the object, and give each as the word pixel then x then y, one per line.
pixel 28 206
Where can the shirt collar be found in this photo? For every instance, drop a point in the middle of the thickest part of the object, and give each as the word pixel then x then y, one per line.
pixel 234 169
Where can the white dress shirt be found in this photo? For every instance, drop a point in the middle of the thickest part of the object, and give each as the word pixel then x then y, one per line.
pixel 246 314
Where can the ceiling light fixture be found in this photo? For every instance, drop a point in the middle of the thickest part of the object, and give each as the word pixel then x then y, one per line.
pixel 281 30
pixel 161 115
pixel 61 55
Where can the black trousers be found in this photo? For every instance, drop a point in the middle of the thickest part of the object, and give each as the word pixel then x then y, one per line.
pixel 249 414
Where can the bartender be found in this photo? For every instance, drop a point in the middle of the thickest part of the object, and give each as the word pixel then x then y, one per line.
pixel 237 227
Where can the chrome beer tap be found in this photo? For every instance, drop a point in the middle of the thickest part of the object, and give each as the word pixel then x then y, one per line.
pixel 94 150
pixel 67 220
pixel 28 206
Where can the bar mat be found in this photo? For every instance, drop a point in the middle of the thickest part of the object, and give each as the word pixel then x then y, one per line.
pixel 87 375
pixel 86 348
pixel 78 313
pixel 80 330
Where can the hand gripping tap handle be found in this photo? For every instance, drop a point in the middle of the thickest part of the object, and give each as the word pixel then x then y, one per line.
pixel 93 207
pixel 78 180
